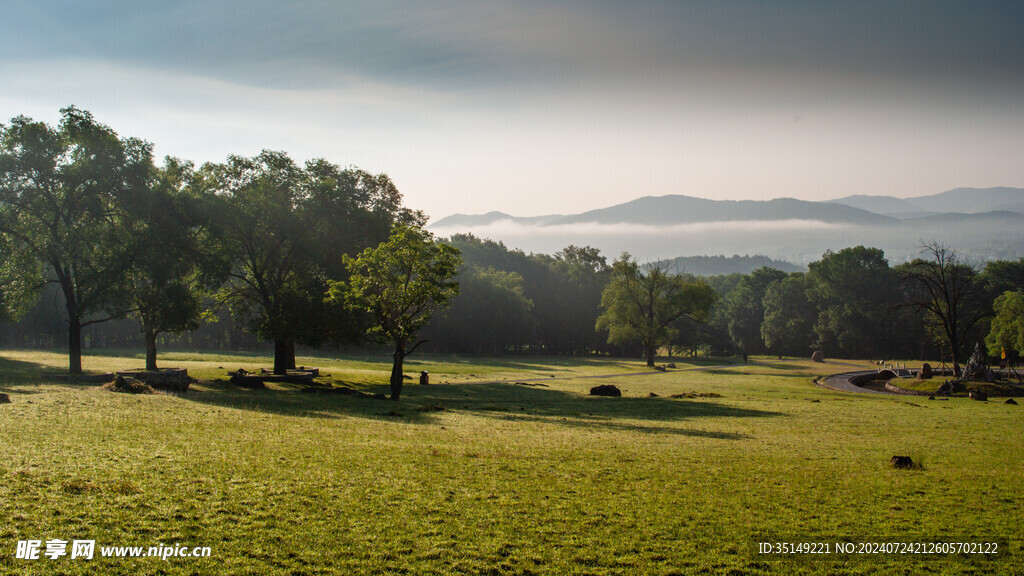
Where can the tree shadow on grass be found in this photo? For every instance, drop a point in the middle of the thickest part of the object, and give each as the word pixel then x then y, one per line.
pixel 422 404
pixel 18 372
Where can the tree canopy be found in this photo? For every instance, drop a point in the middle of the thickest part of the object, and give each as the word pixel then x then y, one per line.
pixel 66 198
pixel 789 317
pixel 642 305
pixel 945 289
pixel 401 283
pixel 1006 336
pixel 855 293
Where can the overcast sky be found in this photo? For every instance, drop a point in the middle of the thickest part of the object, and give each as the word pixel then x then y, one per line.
pixel 549 107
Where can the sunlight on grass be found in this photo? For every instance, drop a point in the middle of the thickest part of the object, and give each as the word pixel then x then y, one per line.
pixel 487 475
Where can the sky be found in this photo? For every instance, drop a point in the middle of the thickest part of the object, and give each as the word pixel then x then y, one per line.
pixel 563 106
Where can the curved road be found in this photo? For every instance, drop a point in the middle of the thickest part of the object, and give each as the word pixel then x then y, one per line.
pixel 841 382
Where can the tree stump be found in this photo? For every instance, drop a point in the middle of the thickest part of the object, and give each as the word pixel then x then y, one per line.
pixel 818 356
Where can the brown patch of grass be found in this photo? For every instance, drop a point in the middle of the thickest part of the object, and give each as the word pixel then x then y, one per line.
pixel 129 386
pixel 79 486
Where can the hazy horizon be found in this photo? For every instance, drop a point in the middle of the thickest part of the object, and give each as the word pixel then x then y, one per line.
pixel 536 108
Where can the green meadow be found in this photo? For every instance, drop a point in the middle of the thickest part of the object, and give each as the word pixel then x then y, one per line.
pixel 504 466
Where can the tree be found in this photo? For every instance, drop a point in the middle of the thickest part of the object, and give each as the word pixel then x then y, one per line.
pixel 1002 276
pixel 64 195
pixel 172 273
pixel 854 291
pixel 789 317
pixel 490 313
pixel 259 224
pixel 401 283
pixel 583 273
pixel 949 292
pixel 641 306
pixel 285 229
pixel 1007 332
pixel 745 310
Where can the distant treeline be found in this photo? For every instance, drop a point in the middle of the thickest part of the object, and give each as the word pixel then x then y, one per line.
pixel 102 248
pixel 735 264
pixel 850 303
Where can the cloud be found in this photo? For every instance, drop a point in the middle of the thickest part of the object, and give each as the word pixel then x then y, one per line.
pixel 459 44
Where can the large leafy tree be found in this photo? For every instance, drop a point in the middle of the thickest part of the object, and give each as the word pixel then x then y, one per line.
pixel 949 292
pixel 285 229
pixel 788 326
pixel 260 226
pixel 1002 276
pixel 855 293
pixel 1006 336
pixel 584 274
pixel 744 309
pixel 65 202
pixel 643 305
pixel 176 266
pixel 401 283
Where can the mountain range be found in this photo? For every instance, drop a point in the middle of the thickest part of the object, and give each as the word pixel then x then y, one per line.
pixel 983 223
pixel 958 200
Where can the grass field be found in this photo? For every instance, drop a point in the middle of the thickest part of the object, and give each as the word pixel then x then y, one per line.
pixel 484 477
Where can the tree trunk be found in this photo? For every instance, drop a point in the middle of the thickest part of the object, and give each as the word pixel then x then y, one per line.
pixel 280 357
pixel 290 353
pixel 397 374
pixel 150 350
pixel 74 344
pixel 650 351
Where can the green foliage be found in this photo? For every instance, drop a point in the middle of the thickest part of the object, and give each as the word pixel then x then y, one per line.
pixel 564 291
pixel 285 230
pixel 19 280
pixel 1000 276
pixel 490 311
pixel 789 317
pixel 1007 331
pixel 641 306
pixel 401 283
pixel 176 265
pixel 745 310
pixel 66 201
pixel 855 293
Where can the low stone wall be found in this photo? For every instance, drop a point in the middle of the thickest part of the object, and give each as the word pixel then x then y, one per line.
pixel 174 379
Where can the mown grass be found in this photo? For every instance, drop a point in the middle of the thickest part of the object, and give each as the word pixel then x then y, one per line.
pixel 485 477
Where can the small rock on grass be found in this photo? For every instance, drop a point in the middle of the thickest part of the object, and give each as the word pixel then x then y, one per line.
pixel 902 462
pixel 606 390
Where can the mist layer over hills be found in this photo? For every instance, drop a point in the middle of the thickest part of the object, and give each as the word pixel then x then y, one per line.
pixel 982 223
